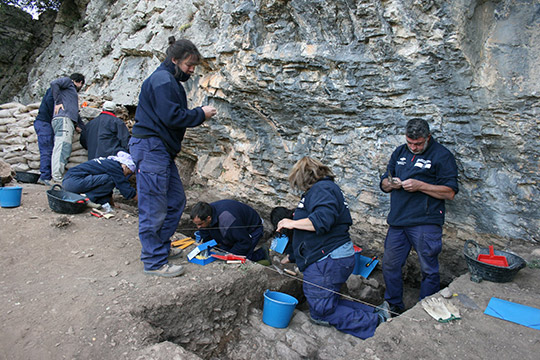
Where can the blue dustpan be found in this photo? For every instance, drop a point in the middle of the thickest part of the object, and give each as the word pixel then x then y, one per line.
pixel 360 267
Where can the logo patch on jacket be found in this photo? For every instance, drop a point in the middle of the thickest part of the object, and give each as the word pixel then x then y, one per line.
pixel 423 164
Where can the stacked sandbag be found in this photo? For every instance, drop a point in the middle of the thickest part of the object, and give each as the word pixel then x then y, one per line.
pixel 18 138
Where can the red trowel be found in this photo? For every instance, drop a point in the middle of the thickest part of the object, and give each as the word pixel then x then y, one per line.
pixel 492 259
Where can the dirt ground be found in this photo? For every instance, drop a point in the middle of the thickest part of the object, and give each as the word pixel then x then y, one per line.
pixel 73 288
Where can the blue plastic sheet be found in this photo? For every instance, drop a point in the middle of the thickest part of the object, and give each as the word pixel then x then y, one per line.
pixel 516 313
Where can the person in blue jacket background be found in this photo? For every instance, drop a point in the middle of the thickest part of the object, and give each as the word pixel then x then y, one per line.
pixel 324 251
pixel 98 177
pixel 236 227
pixel 420 176
pixel 45 134
pixel 105 135
pixel 161 119
pixel 65 120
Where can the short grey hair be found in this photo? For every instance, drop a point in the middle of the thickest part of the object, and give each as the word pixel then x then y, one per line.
pixel 417 128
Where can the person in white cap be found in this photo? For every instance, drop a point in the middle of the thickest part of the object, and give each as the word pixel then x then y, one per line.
pixel 98 177
pixel 105 135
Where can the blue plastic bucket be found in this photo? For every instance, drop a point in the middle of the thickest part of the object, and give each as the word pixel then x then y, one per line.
pixel 278 308
pixel 10 196
pixel 197 236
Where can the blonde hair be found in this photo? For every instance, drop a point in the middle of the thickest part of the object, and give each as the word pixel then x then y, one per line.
pixel 307 171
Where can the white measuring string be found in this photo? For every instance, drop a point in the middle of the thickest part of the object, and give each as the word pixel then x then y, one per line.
pixel 322 287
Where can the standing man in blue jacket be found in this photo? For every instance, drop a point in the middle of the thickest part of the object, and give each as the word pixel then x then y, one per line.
pixel 65 120
pixel 105 135
pixel 236 227
pixel 420 176
pixel 161 120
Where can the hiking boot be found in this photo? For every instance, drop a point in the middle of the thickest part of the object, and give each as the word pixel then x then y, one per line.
pixel 44 182
pixel 319 322
pixel 167 270
pixel 383 312
pixel 175 253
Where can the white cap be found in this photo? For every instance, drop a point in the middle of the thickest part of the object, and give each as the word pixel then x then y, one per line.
pixel 109 106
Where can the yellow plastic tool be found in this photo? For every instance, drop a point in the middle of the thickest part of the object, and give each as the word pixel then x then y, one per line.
pixel 183 243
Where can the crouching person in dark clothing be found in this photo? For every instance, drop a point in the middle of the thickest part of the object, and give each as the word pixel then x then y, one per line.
pixel 236 227
pixel 98 177
pixel 324 251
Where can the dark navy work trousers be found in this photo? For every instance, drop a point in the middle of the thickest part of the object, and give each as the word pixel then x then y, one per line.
pixel 347 316
pixel 161 199
pixel 98 188
pixel 427 242
pixel 45 136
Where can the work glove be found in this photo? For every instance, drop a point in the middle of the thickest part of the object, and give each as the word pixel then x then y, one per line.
pixel 453 310
pixel 437 310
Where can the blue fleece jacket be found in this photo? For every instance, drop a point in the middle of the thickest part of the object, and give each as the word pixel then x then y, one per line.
pixel 105 135
pixel 104 166
pixel 325 205
pixel 436 166
pixel 232 223
pixel 162 111
pixel 64 92
pixel 46 108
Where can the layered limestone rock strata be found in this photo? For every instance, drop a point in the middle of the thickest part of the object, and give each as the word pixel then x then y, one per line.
pixel 337 80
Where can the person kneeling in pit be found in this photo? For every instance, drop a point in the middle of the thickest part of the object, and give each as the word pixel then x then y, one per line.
pixel 236 227
pixel 324 251
pixel 98 177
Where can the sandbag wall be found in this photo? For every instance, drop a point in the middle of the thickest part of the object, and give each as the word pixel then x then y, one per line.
pixel 18 139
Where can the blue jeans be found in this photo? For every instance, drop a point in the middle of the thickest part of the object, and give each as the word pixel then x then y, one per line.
pixel 45 136
pixel 161 199
pixel 427 241
pixel 347 316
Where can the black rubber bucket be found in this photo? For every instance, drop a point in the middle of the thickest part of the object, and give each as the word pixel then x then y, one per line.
pixel 65 202
pixel 26 177
pixel 483 271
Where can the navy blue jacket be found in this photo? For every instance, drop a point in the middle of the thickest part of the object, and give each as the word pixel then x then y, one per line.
pixel 104 136
pixel 231 226
pixel 104 166
pixel 64 92
pixel 325 205
pixel 46 108
pixel 436 166
pixel 162 111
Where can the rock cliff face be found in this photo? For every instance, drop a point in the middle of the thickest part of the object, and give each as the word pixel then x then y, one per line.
pixel 21 41
pixel 337 80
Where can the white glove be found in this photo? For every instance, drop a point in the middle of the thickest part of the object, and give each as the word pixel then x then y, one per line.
pixel 453 310
pixel 436 309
